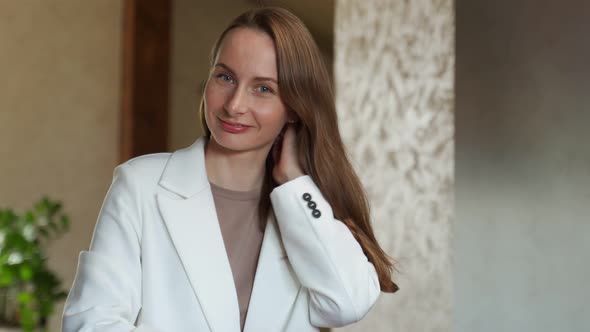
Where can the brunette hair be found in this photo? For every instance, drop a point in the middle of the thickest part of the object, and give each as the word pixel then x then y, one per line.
pixel 305 88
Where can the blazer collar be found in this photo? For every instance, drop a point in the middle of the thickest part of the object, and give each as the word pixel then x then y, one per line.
pixel 185 172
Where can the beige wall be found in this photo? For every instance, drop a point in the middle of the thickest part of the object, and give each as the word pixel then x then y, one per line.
pixel 522 234
pixel 394 68
pixel 59 104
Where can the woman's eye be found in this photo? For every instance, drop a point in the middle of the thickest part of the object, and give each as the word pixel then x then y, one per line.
pixel 225 78
pixel 264 89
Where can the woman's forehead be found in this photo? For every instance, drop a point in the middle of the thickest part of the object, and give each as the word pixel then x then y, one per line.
pixel 248 52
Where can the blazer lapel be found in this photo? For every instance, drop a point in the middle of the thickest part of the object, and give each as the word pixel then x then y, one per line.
pixel 275 285
pixel 194 229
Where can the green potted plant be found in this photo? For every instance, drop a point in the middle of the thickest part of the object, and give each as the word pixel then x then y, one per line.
pixel 28 289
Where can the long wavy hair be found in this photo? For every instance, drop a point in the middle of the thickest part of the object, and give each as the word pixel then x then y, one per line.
pixel 305 88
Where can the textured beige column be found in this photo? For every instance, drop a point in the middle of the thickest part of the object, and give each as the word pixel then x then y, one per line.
pixel 394 63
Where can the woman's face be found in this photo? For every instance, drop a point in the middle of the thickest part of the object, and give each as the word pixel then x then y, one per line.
pixel 243 109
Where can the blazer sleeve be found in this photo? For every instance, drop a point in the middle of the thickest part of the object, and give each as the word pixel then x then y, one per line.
pixel 328 261
pixel 106 293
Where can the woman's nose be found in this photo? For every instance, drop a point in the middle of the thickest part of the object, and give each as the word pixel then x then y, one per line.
pixel 237 101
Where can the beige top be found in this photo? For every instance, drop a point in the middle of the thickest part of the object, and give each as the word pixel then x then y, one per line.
pixel 242 236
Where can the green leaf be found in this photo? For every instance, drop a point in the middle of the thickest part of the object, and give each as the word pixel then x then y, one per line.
pixel 26 272
pixel 60 295
pixel 5 277
pixel 27 318
pixel 65 222
pixel 46 308
pixel 25 297
pixel 29 217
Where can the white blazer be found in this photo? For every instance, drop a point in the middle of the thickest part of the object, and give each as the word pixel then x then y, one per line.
pixel 157 260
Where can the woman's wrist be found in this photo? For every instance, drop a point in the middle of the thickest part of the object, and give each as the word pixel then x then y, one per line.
pixel 295 175
pixel 290 176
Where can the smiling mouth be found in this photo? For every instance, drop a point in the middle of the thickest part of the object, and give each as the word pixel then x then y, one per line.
pixel 236 128
pixel 237 125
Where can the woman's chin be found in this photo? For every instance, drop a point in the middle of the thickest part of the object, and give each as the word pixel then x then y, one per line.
pixel 227 141
pixel 238 143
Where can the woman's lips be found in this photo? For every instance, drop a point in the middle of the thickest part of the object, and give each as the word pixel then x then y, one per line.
pixel 233 128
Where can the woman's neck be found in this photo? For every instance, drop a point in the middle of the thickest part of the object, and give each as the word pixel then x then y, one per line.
pixel 234 170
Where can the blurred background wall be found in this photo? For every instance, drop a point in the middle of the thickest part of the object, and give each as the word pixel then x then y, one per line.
pixel 522 233
pixel 394 68
pixel 59 111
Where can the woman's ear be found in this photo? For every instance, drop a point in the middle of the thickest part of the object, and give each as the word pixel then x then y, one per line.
pixel 292 117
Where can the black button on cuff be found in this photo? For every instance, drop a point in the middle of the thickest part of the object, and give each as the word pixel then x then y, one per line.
pixel 316 213
pixel 311 205
pixel 306 197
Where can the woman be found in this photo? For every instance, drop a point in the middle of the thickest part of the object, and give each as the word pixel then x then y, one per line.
pixel 260 225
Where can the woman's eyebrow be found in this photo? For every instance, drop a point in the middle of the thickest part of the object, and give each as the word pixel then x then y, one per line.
pixel 226 67
pixel 266 79
pixel 231 71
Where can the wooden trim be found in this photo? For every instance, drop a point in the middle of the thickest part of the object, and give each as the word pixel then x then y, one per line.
pixel 145 82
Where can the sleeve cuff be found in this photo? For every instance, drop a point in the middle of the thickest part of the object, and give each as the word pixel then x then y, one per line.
pixel 301 195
